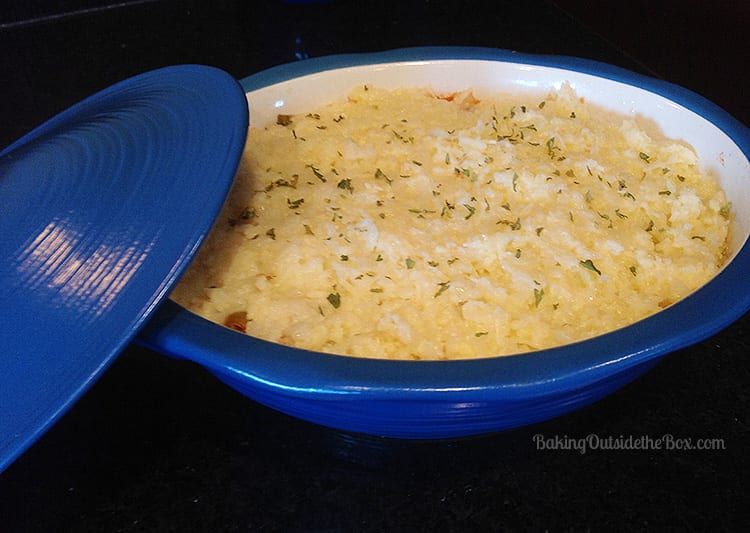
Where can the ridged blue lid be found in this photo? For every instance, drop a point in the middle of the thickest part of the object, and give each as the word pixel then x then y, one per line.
pixel 101 209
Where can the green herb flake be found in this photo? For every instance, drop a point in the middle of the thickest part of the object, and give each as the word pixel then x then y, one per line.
pixel 317 173
pixel 514 225
pixel 444 286
pixel 481 333
pixel 410 263
pixel 471 209
pixel 551 147
pixel 295 204
pixel 334 299
pixel 346 184
pixel 645 157
pixel 379 174
pixel 538 295
pixel 589 264
pixel 344 257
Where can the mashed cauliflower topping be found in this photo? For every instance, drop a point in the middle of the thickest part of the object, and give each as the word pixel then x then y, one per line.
pixel 405 224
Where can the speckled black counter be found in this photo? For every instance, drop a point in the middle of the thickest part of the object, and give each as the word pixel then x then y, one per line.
pixel 160 445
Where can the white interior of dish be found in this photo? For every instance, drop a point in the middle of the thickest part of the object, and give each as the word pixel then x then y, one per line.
pixel 717 151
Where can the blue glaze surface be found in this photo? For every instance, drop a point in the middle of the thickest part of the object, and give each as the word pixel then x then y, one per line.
pixel 102 207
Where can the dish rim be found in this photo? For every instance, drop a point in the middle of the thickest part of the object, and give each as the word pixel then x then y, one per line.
pixel 296 372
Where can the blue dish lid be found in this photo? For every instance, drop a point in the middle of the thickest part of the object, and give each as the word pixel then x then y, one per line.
pixel 101 209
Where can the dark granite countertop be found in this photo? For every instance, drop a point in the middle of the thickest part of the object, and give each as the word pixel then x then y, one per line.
pixel 160 445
